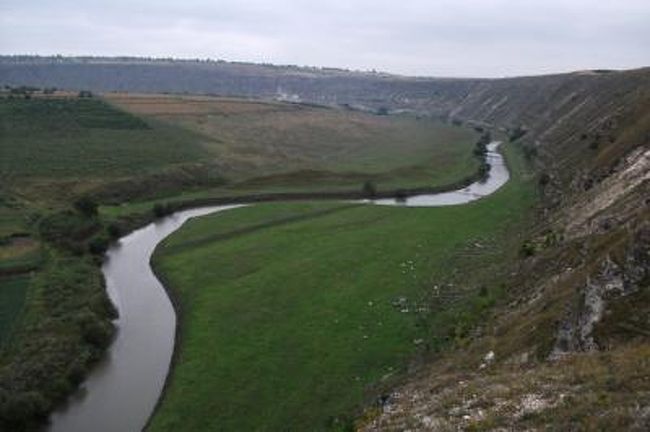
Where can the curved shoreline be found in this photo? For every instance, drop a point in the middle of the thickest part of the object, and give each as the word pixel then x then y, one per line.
pixel 180 213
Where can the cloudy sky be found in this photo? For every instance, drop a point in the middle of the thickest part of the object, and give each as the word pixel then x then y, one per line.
pixel 413 37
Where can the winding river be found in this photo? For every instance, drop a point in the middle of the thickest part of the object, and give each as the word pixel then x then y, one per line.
pixel 121 392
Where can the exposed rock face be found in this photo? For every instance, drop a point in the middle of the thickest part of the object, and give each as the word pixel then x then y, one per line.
pixel 575 333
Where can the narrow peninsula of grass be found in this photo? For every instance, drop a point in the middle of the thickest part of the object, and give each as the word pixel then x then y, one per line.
pixel 292 313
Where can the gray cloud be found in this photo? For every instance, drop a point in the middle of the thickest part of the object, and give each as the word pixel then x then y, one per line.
pixel 415 37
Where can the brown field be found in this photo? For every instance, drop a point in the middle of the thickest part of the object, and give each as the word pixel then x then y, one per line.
pixel 18 247
pixel 164 105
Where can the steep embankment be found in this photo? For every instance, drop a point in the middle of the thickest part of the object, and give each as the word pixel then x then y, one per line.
pixel 570 350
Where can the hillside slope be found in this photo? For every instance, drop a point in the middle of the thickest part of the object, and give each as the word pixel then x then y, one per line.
pixel 569 350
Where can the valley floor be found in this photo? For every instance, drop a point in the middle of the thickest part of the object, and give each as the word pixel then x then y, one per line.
pixel 295 315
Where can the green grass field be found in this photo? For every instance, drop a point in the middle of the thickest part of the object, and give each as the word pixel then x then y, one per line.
pixel 291 314
pixel 13 291
pixel 81 138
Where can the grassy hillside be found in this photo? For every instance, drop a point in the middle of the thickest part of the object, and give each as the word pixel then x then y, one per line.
pixel 273 145
pixel 297 340
pixel 72 138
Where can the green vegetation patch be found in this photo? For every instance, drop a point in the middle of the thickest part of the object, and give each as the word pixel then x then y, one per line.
pixel 279 146
pixel 65 328
pixel 292 313
pixel 69 138
pixel 12 299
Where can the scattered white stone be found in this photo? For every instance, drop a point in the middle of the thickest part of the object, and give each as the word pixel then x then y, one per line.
pixel 532 403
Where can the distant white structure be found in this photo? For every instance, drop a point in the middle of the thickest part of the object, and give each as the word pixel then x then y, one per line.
pixel 283 96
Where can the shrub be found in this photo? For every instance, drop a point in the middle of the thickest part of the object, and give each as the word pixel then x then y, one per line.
pixel 484 170
pixel 527 249
pixel 162 210
pixel 517 133
pixel 114 231
pixel 401 195
pixel 98 245
pixel 67 229
pixel 15 409
pixel 86 206
pixel 369 189
pixel 544 180
pixel 96 332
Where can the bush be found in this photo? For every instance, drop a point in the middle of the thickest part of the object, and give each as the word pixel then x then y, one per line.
pixel 369 189
pixel 22 408
pixel 484 170
pixel 527 249
pixel 544 180
pixel 98 245
pixel 114 231
pixel 67 229
pixel 517 133
pixel 86 206
pixel 530 152
pixel 162 210
pixel 401 195
pixel 96 332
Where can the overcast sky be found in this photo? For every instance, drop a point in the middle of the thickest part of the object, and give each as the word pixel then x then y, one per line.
pixel 413 37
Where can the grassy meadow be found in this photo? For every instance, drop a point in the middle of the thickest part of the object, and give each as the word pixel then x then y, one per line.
pixel 279 146
pixel 293 315
pixel 81 138
pixel 13 292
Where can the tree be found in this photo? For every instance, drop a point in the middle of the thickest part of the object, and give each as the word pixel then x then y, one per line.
pixel 162 210
pixel 517 133
pixel 369 189
pixel 86 206
pixel 401 195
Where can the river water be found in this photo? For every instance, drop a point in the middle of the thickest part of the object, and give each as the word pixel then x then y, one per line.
pixel 121 392
pixel 499 176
